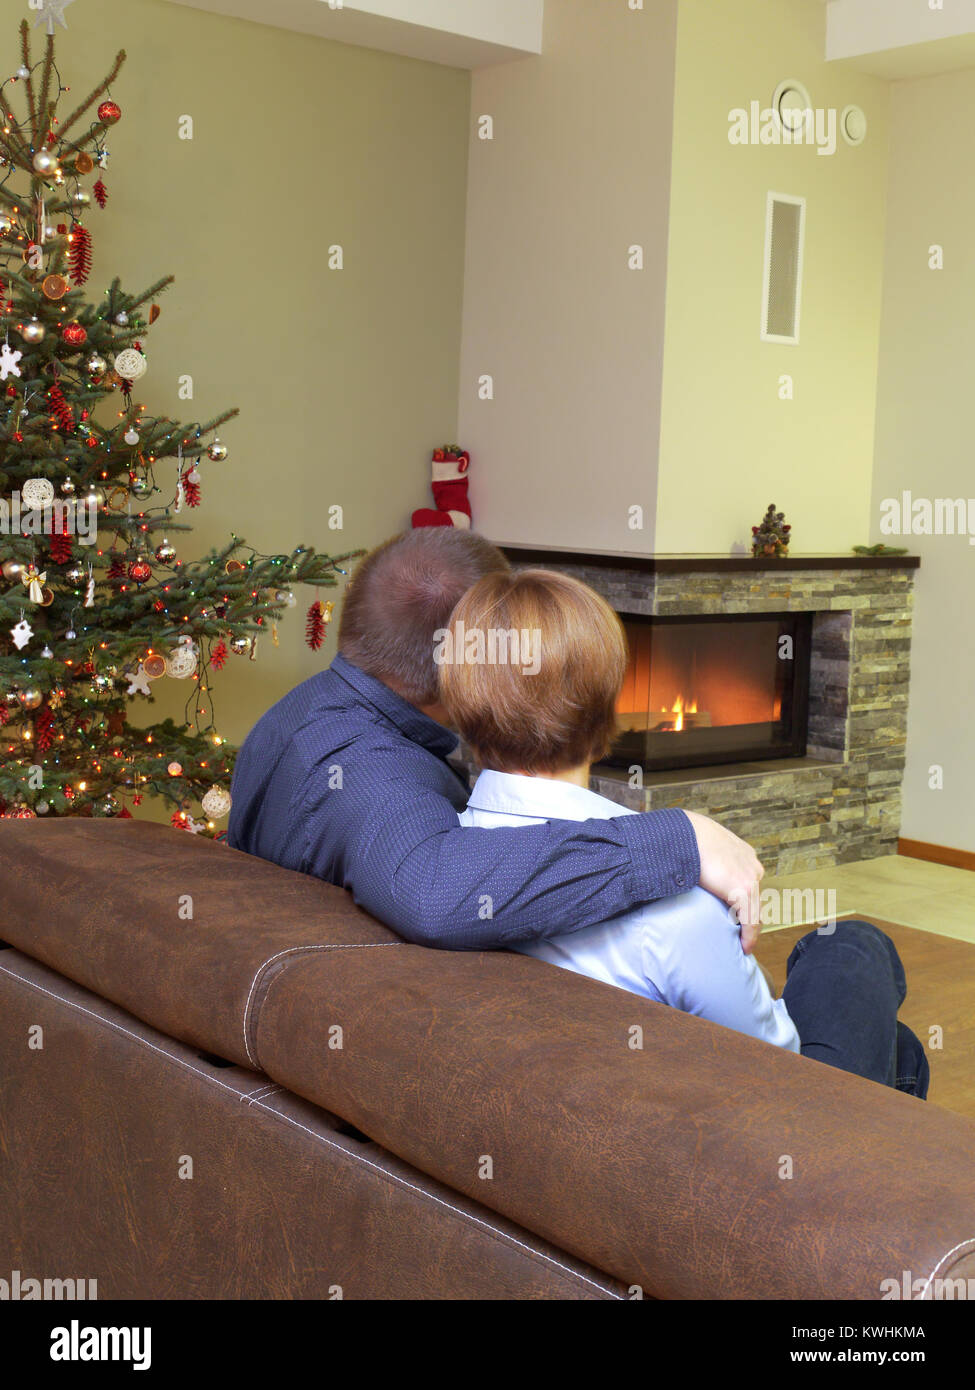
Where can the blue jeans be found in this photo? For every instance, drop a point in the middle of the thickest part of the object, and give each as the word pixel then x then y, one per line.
pixel 843 990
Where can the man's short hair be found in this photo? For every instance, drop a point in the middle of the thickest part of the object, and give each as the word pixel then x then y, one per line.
pixel 401 594
pixel 549 715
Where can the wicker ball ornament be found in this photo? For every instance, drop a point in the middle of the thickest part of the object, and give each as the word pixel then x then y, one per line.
pixel 130 364
pixel 216 803
pixel 181 661
pixel 36 493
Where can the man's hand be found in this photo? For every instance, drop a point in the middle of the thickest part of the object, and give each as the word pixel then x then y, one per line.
pixel 730 870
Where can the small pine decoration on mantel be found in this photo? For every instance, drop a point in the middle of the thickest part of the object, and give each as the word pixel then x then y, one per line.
pixel 770 539
pixel 95 602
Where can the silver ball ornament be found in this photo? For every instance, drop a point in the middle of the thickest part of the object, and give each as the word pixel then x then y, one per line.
pixel 81 198
pixel 217 451
pixel 31 697
pixel 12 569
pixel 121 318
pixel 68 487
pixel 96 366
pixel 165 552
pixel 5 223
pixel 45 163
pixel 33 331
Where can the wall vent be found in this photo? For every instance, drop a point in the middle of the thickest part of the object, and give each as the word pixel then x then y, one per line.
pixel 785 227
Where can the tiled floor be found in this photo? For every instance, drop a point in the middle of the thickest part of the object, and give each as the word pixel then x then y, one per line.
pixel 930 897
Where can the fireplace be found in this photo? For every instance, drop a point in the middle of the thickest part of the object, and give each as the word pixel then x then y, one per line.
pixel 703 690
pixel 804 760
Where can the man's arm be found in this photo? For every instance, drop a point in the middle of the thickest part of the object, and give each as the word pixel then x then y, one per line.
pixel 406 859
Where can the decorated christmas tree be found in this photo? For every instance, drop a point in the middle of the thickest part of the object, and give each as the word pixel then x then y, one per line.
pixel 95 602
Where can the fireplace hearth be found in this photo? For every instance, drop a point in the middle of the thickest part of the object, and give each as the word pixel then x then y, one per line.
pixel 803 758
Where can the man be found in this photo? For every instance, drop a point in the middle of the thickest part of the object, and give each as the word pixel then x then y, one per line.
pixel 346 778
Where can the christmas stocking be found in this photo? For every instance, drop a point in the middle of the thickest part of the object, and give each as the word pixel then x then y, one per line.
pixel 450 465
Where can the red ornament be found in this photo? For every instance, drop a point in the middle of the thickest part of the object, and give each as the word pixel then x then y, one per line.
pixel 60 544
pixel 125 813
pixel 116 569
pixel 101 193
pixel 191 490
pixel 315 625
pixel 60 409
pixel 74 334
pixel 21 813
pixel 44 729
pixel 140 571
pixel 218 656
pixel 79 256
pixel 109 112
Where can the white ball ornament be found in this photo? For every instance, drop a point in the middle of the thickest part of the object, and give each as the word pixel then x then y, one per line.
pixel 130 364
pixel 131 436
pixel 216 803
pixel 37 493
pixel 181 661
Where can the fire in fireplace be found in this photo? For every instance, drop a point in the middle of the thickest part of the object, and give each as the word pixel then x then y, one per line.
pixel 713 689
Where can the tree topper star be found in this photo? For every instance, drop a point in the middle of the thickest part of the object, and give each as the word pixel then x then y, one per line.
pixel 51 10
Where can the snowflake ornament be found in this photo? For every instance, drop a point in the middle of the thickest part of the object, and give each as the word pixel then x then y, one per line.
pixel 138 682
pixel 8 361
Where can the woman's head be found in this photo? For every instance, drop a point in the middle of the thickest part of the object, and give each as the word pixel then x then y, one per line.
pixel 547 713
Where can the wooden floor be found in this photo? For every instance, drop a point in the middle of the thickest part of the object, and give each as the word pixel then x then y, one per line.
pixel 940 993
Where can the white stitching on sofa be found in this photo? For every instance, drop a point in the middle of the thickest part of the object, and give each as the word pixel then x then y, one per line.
pixel 954 1248
pixel 354 1158
pixel 293 951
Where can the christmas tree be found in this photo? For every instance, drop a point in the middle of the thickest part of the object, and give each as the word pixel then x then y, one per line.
pixel 95 604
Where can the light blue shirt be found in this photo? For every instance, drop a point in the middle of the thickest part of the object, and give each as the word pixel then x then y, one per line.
pixel 684 951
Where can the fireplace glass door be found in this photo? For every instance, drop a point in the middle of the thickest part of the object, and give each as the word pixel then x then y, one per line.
pixel 713 689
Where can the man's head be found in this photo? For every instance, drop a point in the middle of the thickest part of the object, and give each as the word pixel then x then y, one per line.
pixel 559 712
pixel 401 594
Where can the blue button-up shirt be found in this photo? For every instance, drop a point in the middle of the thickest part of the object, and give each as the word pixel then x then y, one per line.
pixel 345 780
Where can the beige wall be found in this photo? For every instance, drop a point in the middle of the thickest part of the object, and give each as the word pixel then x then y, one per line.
pixel 577 172
pixel 729 445
pixel 925 430
pixel 345 380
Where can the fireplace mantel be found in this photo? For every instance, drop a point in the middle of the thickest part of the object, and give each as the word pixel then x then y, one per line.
pixel 523 554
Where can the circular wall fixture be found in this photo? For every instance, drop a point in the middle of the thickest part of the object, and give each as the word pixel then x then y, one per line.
pixel 853 125
pixel 790 102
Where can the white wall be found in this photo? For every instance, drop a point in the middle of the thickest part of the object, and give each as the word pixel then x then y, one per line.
pixel 577 172
pixel 926 431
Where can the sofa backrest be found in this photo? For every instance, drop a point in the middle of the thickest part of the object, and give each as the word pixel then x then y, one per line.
pixel 675 1155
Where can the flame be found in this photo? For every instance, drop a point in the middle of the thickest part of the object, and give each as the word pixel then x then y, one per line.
pixel 679 708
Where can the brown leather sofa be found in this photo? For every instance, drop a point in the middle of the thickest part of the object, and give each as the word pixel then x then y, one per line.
pixel 247 1088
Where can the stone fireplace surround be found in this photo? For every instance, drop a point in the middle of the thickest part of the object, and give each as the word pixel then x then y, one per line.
pixel 842 801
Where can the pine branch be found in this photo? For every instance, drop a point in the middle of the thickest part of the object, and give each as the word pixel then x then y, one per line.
pixel 25 57
pixel 93 97
pixel 43 114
